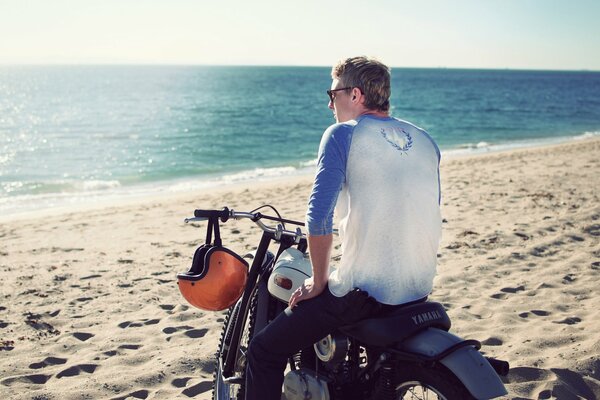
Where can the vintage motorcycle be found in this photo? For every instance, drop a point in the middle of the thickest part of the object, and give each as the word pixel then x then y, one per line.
pixel 405 353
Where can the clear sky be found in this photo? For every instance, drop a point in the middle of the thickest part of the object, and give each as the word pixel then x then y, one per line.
pixel 530 34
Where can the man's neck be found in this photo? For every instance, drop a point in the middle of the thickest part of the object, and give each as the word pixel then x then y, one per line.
pixel 376 113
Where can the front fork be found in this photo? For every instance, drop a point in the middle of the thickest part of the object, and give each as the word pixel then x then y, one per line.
pixel 257 281
pixel 255 270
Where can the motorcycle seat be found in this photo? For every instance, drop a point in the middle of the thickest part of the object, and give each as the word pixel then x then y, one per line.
pixel 399 324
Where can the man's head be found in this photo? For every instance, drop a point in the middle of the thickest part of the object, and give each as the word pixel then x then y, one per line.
pixel 367 88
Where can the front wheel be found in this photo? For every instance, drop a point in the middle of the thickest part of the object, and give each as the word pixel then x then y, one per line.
pixel 236 390
pixel 412 382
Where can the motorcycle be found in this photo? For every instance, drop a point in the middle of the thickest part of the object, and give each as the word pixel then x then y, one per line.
pixel 407 352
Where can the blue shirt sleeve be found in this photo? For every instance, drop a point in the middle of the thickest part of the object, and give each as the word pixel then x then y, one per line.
pixel 330 176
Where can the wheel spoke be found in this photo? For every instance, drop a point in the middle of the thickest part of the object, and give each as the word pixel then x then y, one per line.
pixel 419 391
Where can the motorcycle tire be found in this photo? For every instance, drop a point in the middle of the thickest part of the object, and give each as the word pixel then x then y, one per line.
pixel 222 390
pixel 413 381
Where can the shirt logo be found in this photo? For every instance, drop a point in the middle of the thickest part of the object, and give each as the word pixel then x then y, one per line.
pixel 398 138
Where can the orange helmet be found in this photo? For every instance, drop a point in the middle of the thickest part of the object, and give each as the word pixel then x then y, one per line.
pixel 216 279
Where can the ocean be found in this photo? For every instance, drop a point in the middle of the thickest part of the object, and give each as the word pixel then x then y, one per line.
pixel 71 135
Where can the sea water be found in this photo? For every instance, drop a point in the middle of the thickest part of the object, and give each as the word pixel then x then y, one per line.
pixel 76 134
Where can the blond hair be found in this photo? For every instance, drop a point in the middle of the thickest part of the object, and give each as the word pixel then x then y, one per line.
pixel 371 76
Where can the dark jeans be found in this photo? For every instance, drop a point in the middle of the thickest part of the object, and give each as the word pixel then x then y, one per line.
pixel 295 329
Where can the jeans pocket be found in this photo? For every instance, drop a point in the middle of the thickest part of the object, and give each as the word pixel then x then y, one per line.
pixel 359 305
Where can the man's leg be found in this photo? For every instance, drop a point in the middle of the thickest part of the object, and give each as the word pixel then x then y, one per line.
pixel 292 330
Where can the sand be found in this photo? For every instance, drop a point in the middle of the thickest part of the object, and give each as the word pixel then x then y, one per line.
pixel 89 306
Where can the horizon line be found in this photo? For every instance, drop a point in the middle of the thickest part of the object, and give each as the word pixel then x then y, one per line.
pixel 130 64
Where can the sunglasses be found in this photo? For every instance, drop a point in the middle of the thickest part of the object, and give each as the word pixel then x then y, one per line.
pixel 331 93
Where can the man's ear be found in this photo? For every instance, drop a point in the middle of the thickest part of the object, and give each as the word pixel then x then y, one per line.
pixel 357 94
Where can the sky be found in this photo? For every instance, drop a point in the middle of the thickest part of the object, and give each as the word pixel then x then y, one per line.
pixel 517 34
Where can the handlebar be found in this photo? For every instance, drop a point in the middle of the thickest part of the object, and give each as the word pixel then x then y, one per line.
pixel 225 214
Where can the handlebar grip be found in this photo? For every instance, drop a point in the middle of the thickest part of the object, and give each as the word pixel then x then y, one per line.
pixel 222 214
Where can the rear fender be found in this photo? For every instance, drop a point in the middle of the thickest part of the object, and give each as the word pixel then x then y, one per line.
pixel 469 366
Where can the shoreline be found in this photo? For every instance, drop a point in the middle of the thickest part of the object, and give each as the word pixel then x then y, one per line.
pixel 145 193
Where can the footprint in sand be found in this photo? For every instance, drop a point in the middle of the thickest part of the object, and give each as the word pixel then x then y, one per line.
pixel 61 278
pixel 130 346
pixel 7 345
pixel 112 353
pixel 593 230
pixel 48 361
pixel 539 313
pixel 523 235
pixel 81 300
pixel 189 331
pixel 142 322
pixel 544 251
pixel 513 290
pixel 172 329
pixel 180 382
pixel 569 321
pixel 77 370
pixel 196 333
pixel 493 341
pixel 197 389
pixel 138 394
pixel 43 328
pixel 83 336
pixel 90 277
pixel 38 379
pixel 507 290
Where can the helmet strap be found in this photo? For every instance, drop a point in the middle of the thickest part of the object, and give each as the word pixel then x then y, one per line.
pixel 209 230
pixel 213 225
pixel 217 233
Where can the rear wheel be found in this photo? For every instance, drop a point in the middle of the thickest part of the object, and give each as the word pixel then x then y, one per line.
pixel 236 389
pixel 409 381
pixel 413 381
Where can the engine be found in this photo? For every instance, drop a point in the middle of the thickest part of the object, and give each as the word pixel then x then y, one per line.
pixel 302 384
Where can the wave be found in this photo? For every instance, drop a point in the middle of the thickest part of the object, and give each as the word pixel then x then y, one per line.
pixel 486 147
pixel 23 197
pixel 587 135
pixel 20 188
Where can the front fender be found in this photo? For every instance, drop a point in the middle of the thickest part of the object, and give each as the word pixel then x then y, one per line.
pixel 469 366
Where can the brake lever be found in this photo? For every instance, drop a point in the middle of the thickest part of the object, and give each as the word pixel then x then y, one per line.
pixel 195 219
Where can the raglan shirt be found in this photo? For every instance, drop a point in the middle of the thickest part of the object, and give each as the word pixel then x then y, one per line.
pixel 381 175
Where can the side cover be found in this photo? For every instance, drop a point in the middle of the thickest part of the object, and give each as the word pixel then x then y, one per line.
pixel 469 366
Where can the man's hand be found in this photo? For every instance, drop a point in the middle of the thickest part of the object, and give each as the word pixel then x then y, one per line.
pixel 308 290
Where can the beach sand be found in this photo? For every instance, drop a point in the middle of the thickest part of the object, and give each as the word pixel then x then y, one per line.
pixel 89 306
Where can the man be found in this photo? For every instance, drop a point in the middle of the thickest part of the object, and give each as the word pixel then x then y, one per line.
pixel 383 173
